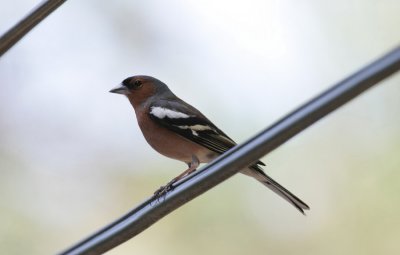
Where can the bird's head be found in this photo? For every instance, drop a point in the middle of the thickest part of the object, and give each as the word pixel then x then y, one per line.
pixel 139 88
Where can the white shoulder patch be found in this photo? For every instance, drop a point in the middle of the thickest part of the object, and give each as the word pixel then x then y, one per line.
pixel 161 113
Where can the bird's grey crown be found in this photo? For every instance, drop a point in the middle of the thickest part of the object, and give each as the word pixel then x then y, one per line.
pixel 160 86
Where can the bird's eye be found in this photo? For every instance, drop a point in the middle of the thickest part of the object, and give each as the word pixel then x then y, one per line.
pixel 138 84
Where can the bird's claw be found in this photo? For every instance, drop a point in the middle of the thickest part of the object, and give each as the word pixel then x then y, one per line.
pixel 163 190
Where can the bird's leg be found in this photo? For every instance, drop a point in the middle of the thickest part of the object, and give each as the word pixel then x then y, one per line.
pixel 192 167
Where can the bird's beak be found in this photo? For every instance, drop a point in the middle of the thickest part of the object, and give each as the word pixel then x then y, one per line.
pixel 120 89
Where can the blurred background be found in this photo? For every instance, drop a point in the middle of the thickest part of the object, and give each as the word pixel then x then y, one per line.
pixel 72 158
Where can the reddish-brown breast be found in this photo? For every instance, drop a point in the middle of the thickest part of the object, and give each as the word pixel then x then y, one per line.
pixel 169 143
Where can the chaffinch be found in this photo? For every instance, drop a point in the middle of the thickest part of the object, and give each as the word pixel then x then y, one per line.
pixel 179 131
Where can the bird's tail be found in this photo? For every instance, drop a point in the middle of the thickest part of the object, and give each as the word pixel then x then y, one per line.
pixel 256 172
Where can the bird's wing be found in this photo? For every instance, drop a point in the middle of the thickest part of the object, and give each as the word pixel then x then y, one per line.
pixel 188 122
pixel 191 124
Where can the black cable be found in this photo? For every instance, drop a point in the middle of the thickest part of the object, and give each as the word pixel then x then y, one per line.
pixel 14 34
pixel 226 165
pixel 239 157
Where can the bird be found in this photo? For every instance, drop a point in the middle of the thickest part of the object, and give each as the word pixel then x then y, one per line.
pixel 179 131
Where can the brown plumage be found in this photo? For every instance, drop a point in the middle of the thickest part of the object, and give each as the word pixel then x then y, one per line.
pixel 179 131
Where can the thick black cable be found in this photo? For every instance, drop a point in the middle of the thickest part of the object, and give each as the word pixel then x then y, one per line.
pixel 150 211
pixel 228 164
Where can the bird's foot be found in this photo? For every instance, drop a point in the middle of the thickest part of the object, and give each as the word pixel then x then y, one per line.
pixel 163 190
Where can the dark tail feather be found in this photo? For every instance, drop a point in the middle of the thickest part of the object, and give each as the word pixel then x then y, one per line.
pixel 256 172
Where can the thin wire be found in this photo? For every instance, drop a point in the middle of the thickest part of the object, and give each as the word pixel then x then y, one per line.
pixel 19 30
pixel 239 157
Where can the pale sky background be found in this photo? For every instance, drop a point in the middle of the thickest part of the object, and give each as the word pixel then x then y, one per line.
pixel 72 158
